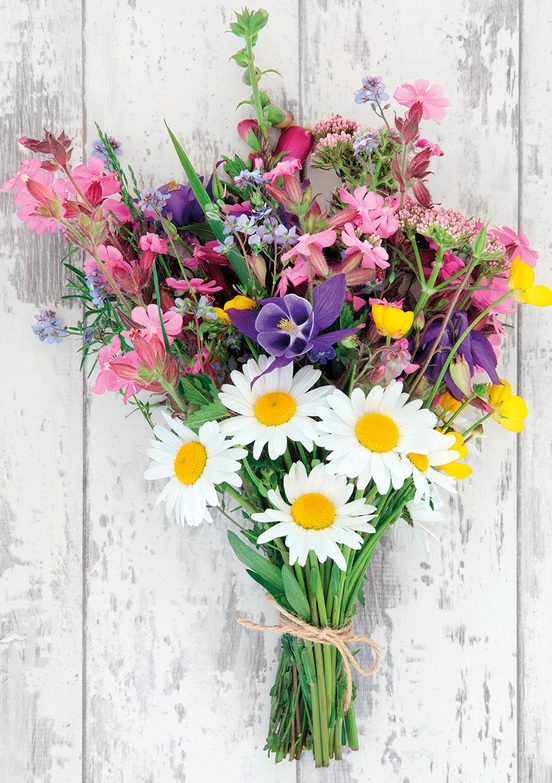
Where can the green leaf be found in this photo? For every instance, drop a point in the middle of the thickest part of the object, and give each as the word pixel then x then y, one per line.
pixel 256 562
pixel 209 412
pixel 294 594
pixel 269 586
pixel 211 212
pixel 198 387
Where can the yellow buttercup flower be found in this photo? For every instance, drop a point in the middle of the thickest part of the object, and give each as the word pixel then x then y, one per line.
pixel 521 282
pixel 237 303
pixel 392 321
pixel 457 469
pixel 509 409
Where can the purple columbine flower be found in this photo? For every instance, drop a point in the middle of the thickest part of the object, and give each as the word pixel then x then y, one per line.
pixel 373 89
pixel 475 349
pixel 289 326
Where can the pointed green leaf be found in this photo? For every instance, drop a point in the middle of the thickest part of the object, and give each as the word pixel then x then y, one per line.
pixel 256 562
pixel 295 595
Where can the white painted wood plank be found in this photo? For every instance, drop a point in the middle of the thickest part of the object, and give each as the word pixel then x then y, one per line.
pixel 442 705
pixel 41 426
pixel 535 452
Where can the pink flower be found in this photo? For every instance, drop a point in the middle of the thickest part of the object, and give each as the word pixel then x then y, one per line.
pixel 86 176
pixel 196 284
pixel 285 166
pixel 116 209
pixel 516 245
pixel 372 257
pixel 27 167
pixel 153 242
pixel 310 245
pixel 376 215
pixel 149 319
pixel 431 98
pixel 434 148
pixel 107 379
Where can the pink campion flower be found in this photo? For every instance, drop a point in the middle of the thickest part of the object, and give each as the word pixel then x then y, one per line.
pixel 371 256
pixel 376 215
pixel 433 103
pixel 516 245
pixel 55 192
pixel 196 285
pixel 357 301
pixel 310 246
pixel 107 379
pixel 434 148
pixel 149 320
pixel 153 242
pixel 285 166
pixel 27 167
pixel 117 210
pixel 93 172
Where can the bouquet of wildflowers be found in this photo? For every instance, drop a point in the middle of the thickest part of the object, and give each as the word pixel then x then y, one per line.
pixel 323 365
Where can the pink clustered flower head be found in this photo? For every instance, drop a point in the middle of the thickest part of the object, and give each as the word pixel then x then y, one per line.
pixel 433 103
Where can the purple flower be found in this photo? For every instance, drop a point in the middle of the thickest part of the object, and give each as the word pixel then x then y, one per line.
pixel 152 201
pixel 366 142
pixel 289 326
pixel 99 151
pixel 373 89
pixel 474 349
pixel 181 207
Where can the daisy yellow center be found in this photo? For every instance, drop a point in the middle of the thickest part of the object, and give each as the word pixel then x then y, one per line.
pixel 377 432
pixel 275 408
pixel 419 461
pixel 190 462
pixel 313 511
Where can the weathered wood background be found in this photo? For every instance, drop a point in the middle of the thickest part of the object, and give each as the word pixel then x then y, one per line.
pixel 120 658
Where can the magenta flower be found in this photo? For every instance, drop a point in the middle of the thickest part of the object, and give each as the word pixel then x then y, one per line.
pixel 309 246
pixel 285 166
pixel 107 379
pixel 92 174
pixel 376 215
pixel 153 242
pixel 434 105
pixel 516 245
pixel 149 320
pixel 371 257
pixel 288 327
pixel 196 284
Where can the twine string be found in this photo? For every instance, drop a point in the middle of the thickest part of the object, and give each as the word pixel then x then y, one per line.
pixel 338 637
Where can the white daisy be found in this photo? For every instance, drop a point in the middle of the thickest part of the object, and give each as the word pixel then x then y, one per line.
pixel 317 517
pixel 367 436
pixel 276 407
pixel 426 479
pixel 409 528
pixel 195 464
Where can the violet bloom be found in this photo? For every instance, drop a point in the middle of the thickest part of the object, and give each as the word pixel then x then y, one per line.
pixel 181 204
pixel 289 326
pixel 475 349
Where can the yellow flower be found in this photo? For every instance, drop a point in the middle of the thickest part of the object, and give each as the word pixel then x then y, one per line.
pixel 456 469
pixel 509 409
pixel 392 321
pixel 448 402
pixel 237 303
pixel 521 282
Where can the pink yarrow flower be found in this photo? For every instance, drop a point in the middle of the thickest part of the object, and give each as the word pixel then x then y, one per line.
pixel 151 323
pixel 433 103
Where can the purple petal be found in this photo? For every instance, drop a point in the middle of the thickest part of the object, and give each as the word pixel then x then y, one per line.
pixel 282 361
pixel 244 320
pixel 300 310
pixel 275 342
pixel 327 300
pixel 484 356
pixel 269 317
pixel 323 341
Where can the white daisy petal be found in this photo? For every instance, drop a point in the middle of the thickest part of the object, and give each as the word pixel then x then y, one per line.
pixel 194 465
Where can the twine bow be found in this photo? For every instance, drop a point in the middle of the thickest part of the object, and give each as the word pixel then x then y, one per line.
pixel 338 637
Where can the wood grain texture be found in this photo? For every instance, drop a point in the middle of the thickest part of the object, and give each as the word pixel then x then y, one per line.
pixel 535 363
pixel 40 426
pixel 174 689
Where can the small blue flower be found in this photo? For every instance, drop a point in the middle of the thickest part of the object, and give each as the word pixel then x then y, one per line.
pixel 366 142
pixel 48 327
pixel 373 90
pixel 153 201
pixel 205 310
pixel 96 289
pixel 99 151
pixel 247 177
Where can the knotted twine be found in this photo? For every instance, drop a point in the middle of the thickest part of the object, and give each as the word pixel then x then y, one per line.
pixel 338 637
